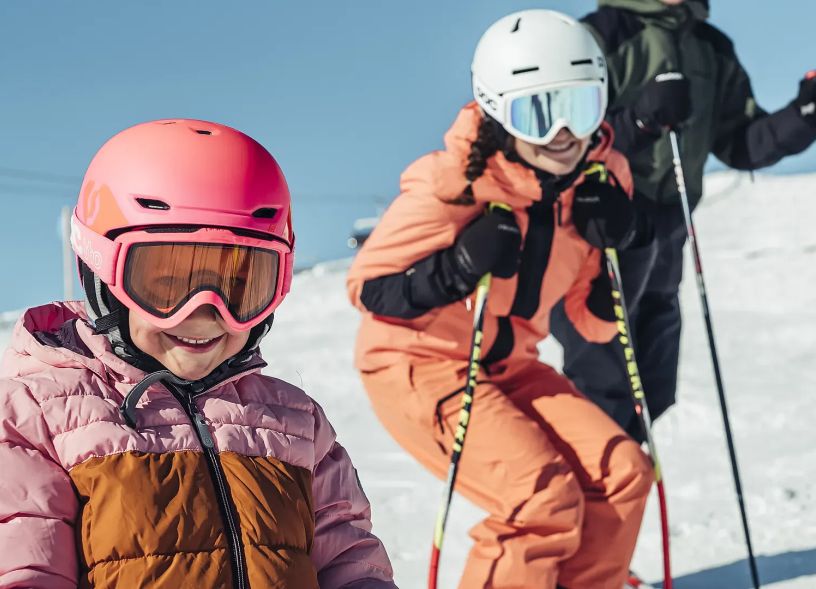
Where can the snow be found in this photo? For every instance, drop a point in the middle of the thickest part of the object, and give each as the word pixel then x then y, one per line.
pixel 759 255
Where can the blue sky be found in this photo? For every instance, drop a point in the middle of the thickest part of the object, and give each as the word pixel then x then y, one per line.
pixel 344 93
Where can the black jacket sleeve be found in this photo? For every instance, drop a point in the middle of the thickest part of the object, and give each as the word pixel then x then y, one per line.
pixel 765 140
pixel 746 136
pixel 430 283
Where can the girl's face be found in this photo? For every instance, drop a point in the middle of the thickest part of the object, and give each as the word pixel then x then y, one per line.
pixel 193 348
pixel 558 157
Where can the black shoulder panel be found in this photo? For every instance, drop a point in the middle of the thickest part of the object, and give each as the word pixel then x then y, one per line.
pixel 615 26
pixel 710 34
pixel 66 337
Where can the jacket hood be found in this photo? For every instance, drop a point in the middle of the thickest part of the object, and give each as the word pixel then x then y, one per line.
pixel 58 335
pixel 503 181
pixel 668 15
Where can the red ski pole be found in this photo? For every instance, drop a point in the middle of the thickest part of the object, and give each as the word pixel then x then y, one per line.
pixel 639 398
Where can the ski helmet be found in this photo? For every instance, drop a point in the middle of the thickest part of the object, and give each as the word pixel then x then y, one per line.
pixel 538 71
pixel 190 194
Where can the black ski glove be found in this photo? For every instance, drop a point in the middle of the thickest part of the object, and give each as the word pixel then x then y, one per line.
pixel 491 243
pixel 602 212
pixel 663 102
pixel 806 101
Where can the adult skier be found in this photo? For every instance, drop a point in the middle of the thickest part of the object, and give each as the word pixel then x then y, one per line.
pixel 564 486
pixel 669 68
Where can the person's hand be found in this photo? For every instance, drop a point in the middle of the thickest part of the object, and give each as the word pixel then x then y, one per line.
pixel 806 101
pixel 663 102
pixel 491 243
pixel 603 214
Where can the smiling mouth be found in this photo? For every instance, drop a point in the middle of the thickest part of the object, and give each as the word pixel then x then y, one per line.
pixel 560 148
pixel 196 344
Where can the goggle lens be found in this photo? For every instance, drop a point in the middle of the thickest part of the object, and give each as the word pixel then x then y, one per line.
pixel 162 277
pixel 580 108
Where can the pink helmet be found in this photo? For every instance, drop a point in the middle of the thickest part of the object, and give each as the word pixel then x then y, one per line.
pixel 181 173
pixel 185 172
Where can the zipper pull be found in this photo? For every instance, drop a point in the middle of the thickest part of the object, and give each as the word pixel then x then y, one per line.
pixel 201 426
pixel 203 430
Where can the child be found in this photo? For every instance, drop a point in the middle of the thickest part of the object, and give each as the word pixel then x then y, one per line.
pixel 564 486
pixel 139 443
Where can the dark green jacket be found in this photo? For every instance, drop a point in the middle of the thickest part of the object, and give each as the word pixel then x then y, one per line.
pixel 644 38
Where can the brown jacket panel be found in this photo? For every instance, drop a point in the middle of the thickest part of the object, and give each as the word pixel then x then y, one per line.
pixel 151 519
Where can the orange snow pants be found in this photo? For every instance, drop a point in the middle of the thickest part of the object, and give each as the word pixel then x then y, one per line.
pixel 565 487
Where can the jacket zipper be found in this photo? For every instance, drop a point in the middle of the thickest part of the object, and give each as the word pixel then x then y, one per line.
pixel 224 500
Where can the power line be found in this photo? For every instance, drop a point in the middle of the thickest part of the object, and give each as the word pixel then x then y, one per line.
pixel 36 176
pixel 20 174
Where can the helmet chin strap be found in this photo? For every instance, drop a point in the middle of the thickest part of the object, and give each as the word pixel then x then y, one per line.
pixel 111 318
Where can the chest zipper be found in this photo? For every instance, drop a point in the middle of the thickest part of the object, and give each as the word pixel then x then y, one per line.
pixel 236 548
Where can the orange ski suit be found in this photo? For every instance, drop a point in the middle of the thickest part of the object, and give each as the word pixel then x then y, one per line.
pixel 564 485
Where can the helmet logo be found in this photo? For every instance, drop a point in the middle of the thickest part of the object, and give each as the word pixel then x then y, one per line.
pixel 487 99
pixel 98 209
pixel 84 247
pixel 92 203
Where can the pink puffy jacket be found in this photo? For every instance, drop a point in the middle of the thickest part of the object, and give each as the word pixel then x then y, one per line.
pixel 87 501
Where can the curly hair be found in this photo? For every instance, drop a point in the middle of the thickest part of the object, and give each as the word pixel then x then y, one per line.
pixel 489 139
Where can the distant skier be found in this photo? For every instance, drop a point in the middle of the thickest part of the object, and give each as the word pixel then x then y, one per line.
pixel 564 486
pixel 140 445
pixel 670 68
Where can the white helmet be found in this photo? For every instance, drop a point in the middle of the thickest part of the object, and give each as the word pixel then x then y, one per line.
pixel 538 71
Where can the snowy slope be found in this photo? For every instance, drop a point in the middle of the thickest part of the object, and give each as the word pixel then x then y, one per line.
pixel 759 253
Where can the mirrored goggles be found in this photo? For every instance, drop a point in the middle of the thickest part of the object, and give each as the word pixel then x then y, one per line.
pixel 537 118
pixel 165 276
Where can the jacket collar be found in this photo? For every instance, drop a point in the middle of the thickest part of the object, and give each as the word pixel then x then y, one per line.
pixel 59 335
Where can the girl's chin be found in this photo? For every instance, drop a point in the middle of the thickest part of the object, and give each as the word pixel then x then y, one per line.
pixel 191 366
pixel 556 167
pixel 188 374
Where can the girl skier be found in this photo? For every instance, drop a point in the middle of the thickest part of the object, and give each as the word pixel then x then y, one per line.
pixel 139 443
pixel 564 486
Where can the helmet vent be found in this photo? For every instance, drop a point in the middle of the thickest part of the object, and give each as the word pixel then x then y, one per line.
pixel 203 132
pixel 265 213
pixel 516 26
pixel 581 62
pixel 156 205
pixel 526 70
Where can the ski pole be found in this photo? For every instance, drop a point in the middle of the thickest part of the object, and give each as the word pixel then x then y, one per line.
pixel 698 268
pixel 641 408
pixel 482 290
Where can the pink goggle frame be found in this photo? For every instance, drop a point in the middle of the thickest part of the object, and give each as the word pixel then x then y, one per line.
pixel 107 258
